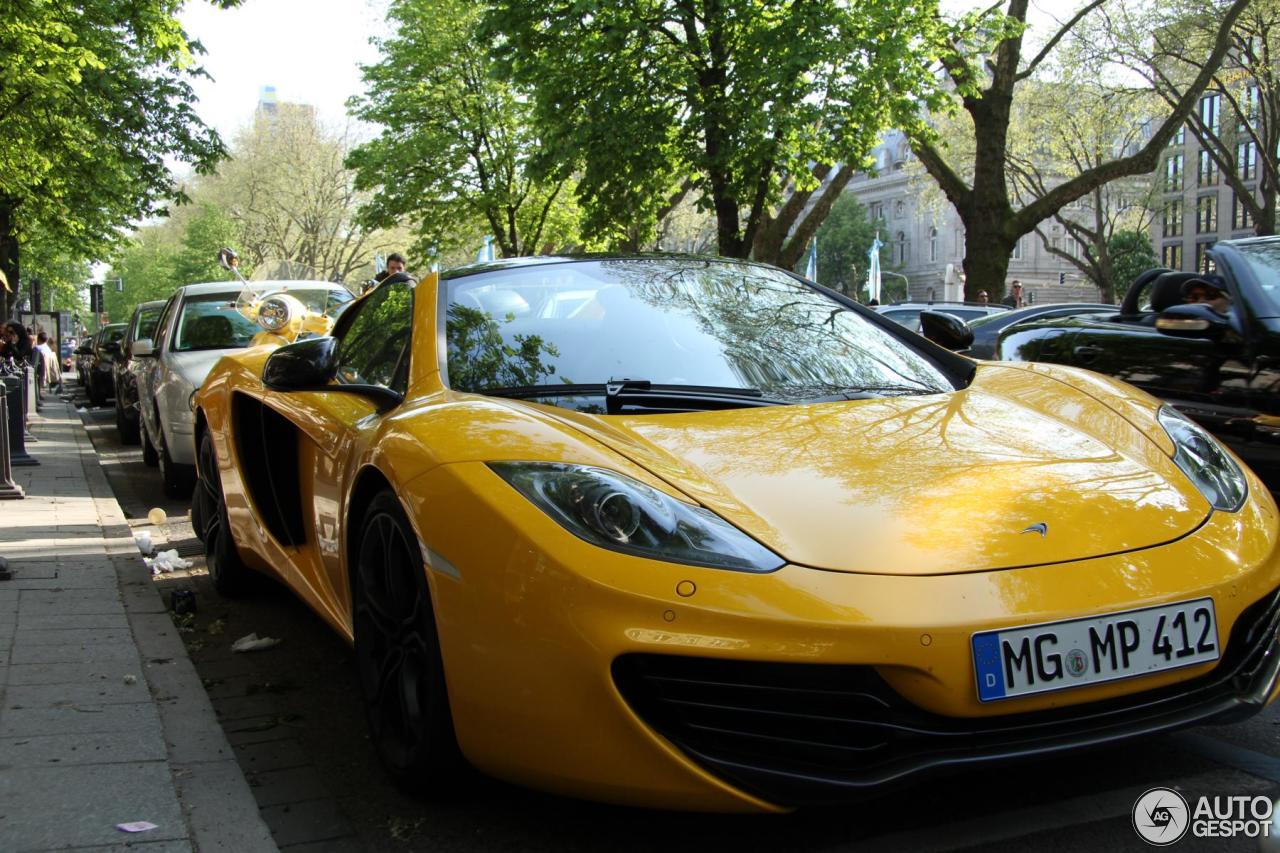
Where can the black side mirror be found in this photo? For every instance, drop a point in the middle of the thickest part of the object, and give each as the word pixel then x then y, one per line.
pixel 302 365
pixel 1193 321
pixel 946 330
pixel 312 365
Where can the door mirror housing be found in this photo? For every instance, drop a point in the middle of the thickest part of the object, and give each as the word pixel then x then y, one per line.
pixel 1193 321
pixel 312 365
pixel 142 348
pixel 946 330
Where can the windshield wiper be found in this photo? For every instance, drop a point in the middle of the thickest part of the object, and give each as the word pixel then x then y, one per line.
pixel 642 393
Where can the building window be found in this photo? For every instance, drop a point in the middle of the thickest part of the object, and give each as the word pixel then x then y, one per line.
pixel 1207 214
pixel 1248 109
pixel 901 246
pixel 898 209
pixel 1173 173
pixel 1204 264
pixel 875 211
pixel 1207 171
pixel 1241 216
pixel 1173 218
pixel 933 245
pixel 1209 112
pixel 1171 256
pixel 1247 160
pixel 1179 136
pixel 1017 249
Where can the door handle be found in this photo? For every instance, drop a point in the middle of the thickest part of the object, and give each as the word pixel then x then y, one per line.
pixel 1087 352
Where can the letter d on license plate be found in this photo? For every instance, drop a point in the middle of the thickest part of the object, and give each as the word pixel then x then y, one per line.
pixel 1059 655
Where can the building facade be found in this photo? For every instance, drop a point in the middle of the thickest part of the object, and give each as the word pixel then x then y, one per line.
pixel 1199 207
pixel 923 239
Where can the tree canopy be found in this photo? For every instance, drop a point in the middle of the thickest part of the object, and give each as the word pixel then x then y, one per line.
pixel 95 96
pixel 749 104
pixel 453 156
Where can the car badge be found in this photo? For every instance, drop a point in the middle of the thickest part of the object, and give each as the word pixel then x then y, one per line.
pixel 1040 527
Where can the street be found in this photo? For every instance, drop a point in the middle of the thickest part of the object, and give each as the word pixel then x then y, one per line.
pixel 292 714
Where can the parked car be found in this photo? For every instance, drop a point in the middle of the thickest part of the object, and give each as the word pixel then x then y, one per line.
pixel 987 329
pixel 908 313
pixel 198 325
pixel 1221 371
pixel 764 545
pixel 84 358
pixel 105 351
pixel 126 369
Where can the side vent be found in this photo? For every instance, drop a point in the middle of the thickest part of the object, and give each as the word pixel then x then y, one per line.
pixel 267 444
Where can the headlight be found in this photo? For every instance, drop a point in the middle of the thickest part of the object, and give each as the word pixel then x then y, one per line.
pixel 274 313
pixel 616 512
pixel 1203 460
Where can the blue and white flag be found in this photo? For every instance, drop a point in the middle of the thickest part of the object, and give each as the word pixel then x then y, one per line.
pixel 486 251
pixel 873 269
pixel 811 268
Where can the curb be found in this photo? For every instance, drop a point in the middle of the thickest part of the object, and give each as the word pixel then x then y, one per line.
pixel 220 810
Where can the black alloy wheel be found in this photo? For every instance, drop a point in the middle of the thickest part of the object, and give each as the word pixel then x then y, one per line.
pixel 398 654
pixel 227 572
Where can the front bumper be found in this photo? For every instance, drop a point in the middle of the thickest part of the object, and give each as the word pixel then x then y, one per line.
pixel 562 660
pixel 815 733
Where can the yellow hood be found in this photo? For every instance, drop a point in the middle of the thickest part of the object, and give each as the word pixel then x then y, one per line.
pixel 924 485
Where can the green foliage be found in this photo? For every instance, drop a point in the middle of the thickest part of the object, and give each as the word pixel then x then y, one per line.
pixel 454 157
pixel 148 267
pixel 62 276
pixel 95 98
pixel 844 241
pixel 1131 254
pixel 739 98
pixel 206 232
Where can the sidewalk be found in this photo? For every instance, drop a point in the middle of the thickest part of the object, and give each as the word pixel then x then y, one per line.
pixel 103 719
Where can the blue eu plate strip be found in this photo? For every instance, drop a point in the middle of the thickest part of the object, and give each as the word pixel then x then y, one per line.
pixel 986 663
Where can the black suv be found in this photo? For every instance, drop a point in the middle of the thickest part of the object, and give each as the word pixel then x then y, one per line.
pixel 1223 370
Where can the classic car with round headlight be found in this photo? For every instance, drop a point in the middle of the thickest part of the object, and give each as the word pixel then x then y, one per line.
pixel 696 533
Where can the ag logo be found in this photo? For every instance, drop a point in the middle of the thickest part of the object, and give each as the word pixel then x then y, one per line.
pixel 1161 817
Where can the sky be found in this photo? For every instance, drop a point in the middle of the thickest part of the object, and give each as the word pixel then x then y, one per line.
pixel 310 50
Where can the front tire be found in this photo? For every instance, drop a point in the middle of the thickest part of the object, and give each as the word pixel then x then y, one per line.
pixel 149 456
pixel 128 429
pixel 397 654
pixel 227 572
pixel 179 480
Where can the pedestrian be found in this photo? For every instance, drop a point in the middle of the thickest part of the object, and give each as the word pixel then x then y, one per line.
pixel 49 374
pixel 18 343
pixel 983 297
pixel 1014 299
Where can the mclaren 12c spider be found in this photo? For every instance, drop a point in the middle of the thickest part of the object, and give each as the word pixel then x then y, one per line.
pixel 694 533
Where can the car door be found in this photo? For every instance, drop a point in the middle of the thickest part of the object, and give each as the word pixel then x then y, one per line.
pixel 147 372
pixel 374 343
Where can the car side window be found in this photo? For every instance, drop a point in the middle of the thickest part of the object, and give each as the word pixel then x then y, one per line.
pixel 374 344
pixel 162 324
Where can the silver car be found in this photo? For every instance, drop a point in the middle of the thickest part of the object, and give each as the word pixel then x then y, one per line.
pixel 199 325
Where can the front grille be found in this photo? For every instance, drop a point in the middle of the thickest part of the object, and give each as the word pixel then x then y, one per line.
pixel 801 733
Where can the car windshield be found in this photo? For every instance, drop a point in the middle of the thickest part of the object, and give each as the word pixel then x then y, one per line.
pixel 211 321
pixel 670 322
pixel 1263 259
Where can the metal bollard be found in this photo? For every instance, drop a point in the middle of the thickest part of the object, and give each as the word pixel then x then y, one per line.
pixel 9 490
pixel 29 389
pixel 18 455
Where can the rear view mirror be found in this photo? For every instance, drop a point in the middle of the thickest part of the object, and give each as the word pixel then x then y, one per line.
pixel 142 348
pixel 228 259
pixel 946 330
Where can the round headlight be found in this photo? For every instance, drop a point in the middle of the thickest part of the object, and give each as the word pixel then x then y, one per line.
pixel 274 313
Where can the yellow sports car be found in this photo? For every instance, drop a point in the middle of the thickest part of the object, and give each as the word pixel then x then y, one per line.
pixel 695 533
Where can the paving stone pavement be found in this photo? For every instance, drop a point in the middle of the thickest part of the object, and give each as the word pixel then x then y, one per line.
pixel 103 719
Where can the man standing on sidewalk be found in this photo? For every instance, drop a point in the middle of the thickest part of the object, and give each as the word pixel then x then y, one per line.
pixel 48 372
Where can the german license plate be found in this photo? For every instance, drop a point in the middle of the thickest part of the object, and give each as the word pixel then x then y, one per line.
pixel 1058 655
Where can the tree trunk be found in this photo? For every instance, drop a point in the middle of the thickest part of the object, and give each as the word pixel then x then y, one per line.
pixel 986 258
pixel 9 257
pixel 1265 225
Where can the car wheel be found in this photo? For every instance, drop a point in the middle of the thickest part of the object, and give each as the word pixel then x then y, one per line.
pixel 397 654
pixel 128 429
pixel 179 480
pixel 96 397
pixel 227 572
pixel 149 455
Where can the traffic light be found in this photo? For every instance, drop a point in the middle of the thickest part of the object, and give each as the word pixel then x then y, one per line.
pixel 1062 278
pixel 95 299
